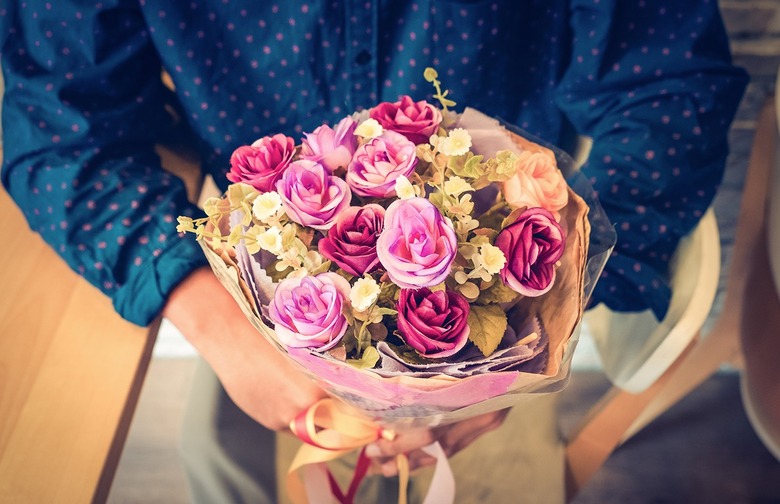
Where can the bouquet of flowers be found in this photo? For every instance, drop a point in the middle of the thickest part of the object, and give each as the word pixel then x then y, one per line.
pixel 423 266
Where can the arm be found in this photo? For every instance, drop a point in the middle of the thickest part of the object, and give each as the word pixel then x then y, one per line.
pixel 260 379
pixel 83 109
pixel 655 89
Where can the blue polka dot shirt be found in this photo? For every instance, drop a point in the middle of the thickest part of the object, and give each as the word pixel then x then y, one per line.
pixel 650 81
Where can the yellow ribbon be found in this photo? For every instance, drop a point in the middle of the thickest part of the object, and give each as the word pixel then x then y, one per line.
pixel 330 430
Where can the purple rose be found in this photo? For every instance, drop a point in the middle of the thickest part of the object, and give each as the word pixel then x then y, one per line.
pixel 418 244
pixel 331 148
pixel 378 163
pixel 416 121
pixel 311 196
pixel 262 164
pixel 307 312
pixel 433 323
pixel 532 245
pixel 351 242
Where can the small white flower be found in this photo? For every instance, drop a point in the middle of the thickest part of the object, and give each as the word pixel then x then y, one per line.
pixel 271 240
pixel 457 143
pixel 369 128
pixel 364 293
pixel 266 205
pixel 492 258
pixel 404 189
pixel 434 140
pixel 455 186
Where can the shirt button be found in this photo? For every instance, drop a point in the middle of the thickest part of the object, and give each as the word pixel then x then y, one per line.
pixel 363 57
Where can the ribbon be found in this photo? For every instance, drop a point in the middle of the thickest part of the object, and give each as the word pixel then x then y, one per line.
pixel 329 430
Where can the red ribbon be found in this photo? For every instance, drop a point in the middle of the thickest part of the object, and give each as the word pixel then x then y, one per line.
pixel 330 431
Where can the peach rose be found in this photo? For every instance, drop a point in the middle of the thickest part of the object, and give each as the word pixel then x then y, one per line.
pixel 537 183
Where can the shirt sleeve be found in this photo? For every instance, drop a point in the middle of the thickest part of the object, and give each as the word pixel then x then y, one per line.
pixel 82 111
pixel 652 83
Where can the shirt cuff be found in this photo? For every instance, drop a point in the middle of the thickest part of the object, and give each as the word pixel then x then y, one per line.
pixel 143 297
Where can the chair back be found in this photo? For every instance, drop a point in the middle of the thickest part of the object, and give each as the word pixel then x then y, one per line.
pixel 635 348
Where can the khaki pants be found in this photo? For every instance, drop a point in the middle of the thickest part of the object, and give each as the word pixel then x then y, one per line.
pixel 229 458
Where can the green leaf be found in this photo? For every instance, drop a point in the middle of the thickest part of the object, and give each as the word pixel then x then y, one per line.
pixel 502 167
pixel 408 354
pixel 446 102
pixel 468 166
pixel 512 217
pixel 366 361
pixel 325 266
pixel 487 325
pixel 387 311
pixel 497 293
pixel 437 199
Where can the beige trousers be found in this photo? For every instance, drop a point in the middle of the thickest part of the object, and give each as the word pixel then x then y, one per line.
pixel 229 458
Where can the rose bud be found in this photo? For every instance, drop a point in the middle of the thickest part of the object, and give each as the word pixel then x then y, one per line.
pixel 378 163
pixel 433 323
pixel 416 121
pixel 351 242
pixel 532 245
pixel 331 148
pixel 263 163
pixel 311 196
pixel 307 311
pixel 418 244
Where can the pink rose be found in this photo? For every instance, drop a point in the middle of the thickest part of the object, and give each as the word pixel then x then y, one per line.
pixel 331 148
pixel 307 312
pixel 416 121
pixel 537 183
pixel 311 196
pixel 532 245
pixel 433 323
pixel 418 244
pixel 378 163
pixel 351 242
pixel 262 163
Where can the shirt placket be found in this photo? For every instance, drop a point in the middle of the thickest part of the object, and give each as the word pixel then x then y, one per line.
pixel 362 51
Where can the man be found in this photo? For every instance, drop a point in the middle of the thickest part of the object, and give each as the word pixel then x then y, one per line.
pixel 650 81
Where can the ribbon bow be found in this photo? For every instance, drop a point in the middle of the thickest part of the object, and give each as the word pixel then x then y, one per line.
pixel 329 431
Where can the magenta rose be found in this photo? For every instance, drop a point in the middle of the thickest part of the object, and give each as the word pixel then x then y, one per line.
pixel 311 196
pixel 433 323
pixel 332 148
pixel 532 245
pixel 378 163
pixel 351 242
pixel 262 164
pixel 418 244
pixel 307 312
pixel 417 121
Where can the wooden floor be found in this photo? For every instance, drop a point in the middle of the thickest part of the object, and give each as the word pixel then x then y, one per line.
pixel 701 451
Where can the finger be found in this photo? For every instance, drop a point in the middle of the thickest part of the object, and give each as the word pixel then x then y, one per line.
pixel 416 460
pixel 454 438
pixel 404 442
pixel 419 459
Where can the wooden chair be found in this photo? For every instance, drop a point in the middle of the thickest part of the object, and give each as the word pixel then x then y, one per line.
pixel 674 359
pixel 760 322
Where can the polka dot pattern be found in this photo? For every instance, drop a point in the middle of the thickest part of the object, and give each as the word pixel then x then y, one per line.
pixel 649 80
